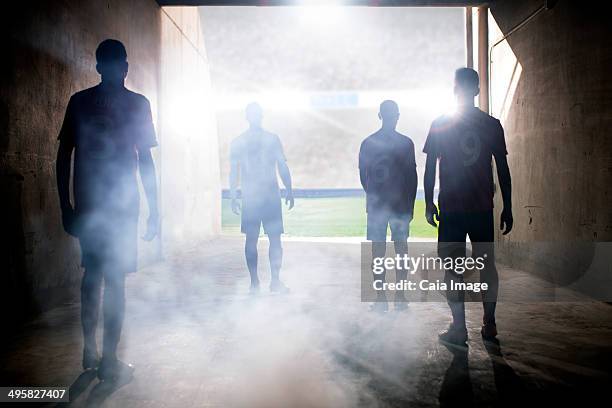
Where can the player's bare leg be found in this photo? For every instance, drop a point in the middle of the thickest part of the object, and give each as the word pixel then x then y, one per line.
pixel 250 252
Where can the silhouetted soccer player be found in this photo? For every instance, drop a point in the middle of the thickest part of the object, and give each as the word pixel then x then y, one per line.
pixel 110 131
pixel 464 144
pixel 387 170
pixel 255 155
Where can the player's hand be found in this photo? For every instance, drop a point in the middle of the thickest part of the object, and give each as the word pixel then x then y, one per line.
pixel 69 221
pixel 152 228
pixel 289 200
pixel 506 221
pixel 235 206
pixel 432 215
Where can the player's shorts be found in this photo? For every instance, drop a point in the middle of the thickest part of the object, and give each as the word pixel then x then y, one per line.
pixel 454 227
pixel 378 220
pixel 109 242
pixel 267 212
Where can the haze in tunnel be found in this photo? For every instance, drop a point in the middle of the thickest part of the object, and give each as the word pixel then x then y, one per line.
pixel 195 335
pixel 321 80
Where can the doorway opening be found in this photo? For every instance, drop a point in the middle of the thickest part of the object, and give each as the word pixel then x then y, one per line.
pixel 320 74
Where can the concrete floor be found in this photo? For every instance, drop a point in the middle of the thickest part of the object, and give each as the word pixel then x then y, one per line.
pixel 197 339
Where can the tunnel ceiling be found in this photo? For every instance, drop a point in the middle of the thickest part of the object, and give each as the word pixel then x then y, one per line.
pixel 381 3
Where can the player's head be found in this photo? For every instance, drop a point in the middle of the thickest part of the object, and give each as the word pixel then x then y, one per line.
pixel 389 113
pixel 466 83
pixel 254 114
pixel 111 60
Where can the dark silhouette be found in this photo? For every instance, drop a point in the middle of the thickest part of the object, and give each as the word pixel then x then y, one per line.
pixel 465 144
pixel 110 131
pixel 456 389
pixel 79 386
pixel 511 391
pixel 255 156
pixel 387 170
pixel 102 390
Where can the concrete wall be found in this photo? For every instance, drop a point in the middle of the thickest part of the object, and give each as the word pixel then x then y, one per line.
pixel 49 56
pixel 557 116
pixel 191 189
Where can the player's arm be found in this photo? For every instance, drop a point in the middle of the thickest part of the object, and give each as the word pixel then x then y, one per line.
pixel 363 173
pixel 429 179
pixel 62 169
pixel 285 175
pixel 62 166
pixel 148 176
pixel 233 181
pixel 505 184
pixel 144 142
pixel 429 182
pixel 412 179
pixel 503 175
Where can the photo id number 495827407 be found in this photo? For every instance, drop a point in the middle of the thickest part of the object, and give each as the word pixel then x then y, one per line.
pixel 34 394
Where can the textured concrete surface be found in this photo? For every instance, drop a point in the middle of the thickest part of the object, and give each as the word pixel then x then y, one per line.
pixel 198 339
pixel 190 182
pixel 557 128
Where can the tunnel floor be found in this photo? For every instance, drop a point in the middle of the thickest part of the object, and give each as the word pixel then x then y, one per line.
pixel 198 339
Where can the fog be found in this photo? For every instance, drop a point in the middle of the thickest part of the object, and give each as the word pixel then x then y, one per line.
pixel 316 347
pixel 320 77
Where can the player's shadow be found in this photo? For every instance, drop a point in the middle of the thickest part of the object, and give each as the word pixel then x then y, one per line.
pixel 78 387
pixel 98 394
pixel 510 387
pixel 456 389
pixel 105 389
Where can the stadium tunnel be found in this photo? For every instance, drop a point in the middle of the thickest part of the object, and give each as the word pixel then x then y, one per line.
pixel 546 74
pixel 550 85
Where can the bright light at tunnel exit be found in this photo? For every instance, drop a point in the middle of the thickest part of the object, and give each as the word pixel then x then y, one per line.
pixel 429 102
pixel 183 112
pixel 319 13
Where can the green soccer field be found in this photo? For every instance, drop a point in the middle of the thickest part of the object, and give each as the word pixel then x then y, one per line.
pixel 329 217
